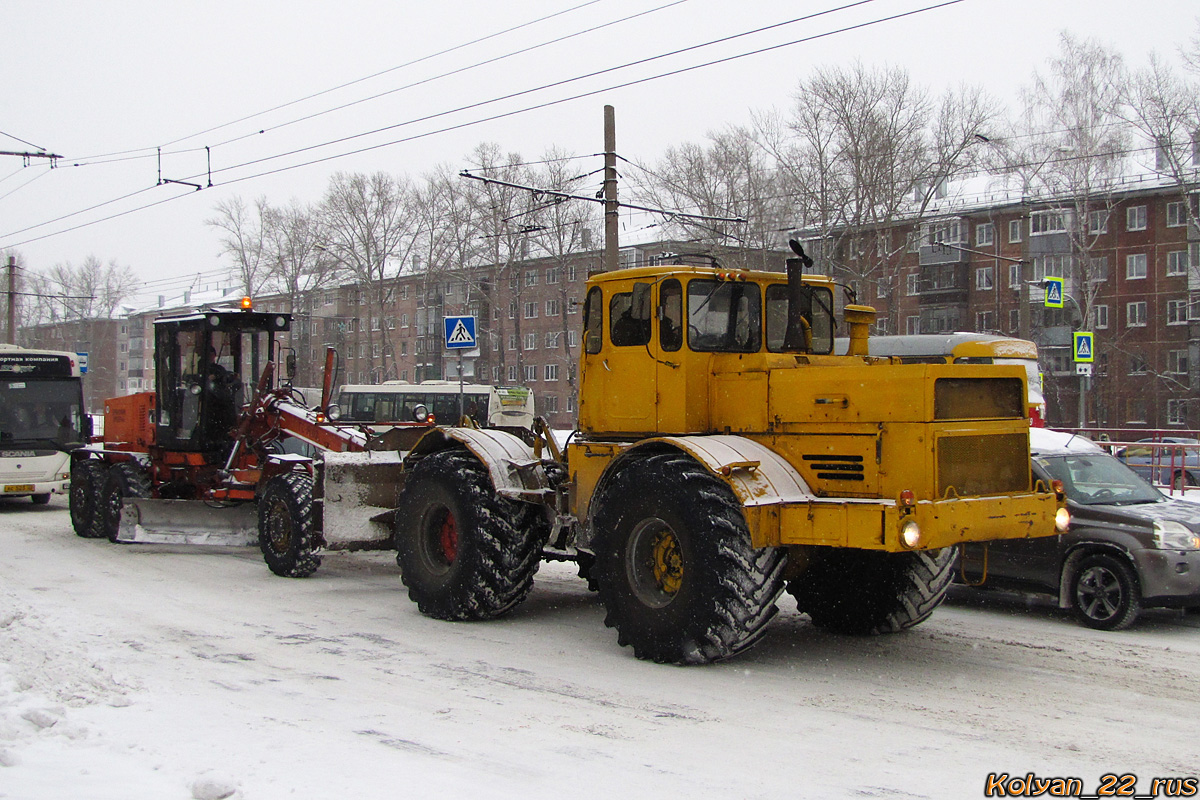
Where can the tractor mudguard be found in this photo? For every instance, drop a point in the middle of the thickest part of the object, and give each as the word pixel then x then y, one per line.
pixel 515 472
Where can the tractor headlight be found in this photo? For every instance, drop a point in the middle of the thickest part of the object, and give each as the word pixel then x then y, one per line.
pixel 910 534
pixel 1171 535
pixel 1062 520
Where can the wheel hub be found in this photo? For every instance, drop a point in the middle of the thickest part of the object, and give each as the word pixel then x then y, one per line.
pixel 448 538
pixel 1099 593
pixel 654 563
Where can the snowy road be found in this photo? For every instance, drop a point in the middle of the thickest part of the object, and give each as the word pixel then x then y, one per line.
pixel 155 673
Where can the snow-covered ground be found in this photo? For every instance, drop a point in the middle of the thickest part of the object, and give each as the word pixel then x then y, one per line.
pixel 155 673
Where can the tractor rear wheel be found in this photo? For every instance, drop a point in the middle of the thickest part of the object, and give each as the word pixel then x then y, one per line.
pixel 124 480
pixel 465 553
pixel 674 566
pixel 87 481
pixel 285 526
pixel 863 592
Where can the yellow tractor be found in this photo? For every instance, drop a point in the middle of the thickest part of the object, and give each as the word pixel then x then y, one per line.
pixel 725 454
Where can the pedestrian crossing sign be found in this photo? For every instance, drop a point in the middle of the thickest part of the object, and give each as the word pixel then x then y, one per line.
pixel 1054 292
pixel 460 332
pixel 1084 347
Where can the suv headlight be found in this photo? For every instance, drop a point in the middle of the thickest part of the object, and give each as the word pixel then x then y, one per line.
pixel 1170 535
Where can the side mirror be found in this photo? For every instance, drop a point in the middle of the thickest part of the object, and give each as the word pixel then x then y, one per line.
pixel 290 366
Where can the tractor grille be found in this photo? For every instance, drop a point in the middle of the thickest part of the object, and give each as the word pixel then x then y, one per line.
pixel 983 465
pixel 836 468
pixel 978 398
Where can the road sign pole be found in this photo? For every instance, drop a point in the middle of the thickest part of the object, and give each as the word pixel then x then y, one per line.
pixel 460 386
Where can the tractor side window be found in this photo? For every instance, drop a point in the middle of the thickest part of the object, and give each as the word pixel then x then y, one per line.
pixel 670 315
pixel 627 329
pixel 816 312
pixel 724 316
pixel 593 321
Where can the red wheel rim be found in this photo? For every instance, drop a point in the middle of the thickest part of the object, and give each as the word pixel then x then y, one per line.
pixel 448 538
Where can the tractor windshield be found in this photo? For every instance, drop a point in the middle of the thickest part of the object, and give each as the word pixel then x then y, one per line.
pixel 724 316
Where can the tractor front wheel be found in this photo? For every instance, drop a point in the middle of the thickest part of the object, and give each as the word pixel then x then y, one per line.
pixel 87 482
pixel 124 480
pixel 674 566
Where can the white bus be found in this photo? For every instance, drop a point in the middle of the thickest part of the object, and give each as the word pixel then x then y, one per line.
pixel 41 420
pixel 397 401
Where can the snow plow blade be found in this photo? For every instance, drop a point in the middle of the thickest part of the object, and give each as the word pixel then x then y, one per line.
pixel 147 521
pixel 358 494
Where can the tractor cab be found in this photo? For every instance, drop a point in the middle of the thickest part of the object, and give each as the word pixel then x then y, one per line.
pixel 207 365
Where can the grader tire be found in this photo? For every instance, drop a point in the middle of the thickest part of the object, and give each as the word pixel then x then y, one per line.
pixel 83 498
pixel 465 553
pixel 674 566
pixel 123 480
pixel 863 593
pixel 285 526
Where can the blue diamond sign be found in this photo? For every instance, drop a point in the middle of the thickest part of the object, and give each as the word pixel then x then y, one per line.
pixel 1054 292
pixel 1085 350
pixel 460 332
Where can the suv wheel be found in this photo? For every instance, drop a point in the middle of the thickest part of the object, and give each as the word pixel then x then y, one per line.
pixel 1105 593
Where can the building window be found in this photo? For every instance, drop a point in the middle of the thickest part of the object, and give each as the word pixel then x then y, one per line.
pixel 531 310
pixel 1137 364
pixel 375 350
pixel 912 325
pixel 404 320
pixel 530 373
pixel 404 348
pixel 391 323
pixel 1177 362
pixel 551 372
pixel 910 283
pixel 1098 222
pixel 571 403
pixel 572 339
pixel 1177 263
pixel 552 339
pixel 1044 222
pixel 1135 218
pixel 1098 269
pixel 549 404
pixel 1135 314
pixel 1100 316
pixel 512 374
pixel 1014 230
pixel 531 277
pixel 531 341
pixel 1176 215
pixel 985 234
pixel 1177 412
pixel 1135 266
pixel 572 305
pixel 553 308
pixel 512 310
pixel 985 320
pixel 1014 276
pixel 1177 312
pixel 512 341
pixel 553 275
pixel 984 278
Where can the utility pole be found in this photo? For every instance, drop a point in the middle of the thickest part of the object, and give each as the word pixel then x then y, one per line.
pixel 611 214
pixel 12 299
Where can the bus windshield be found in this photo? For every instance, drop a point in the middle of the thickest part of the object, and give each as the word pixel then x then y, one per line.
pixel 43 412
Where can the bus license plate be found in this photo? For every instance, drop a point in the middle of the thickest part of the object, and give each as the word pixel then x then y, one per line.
pixel 19 487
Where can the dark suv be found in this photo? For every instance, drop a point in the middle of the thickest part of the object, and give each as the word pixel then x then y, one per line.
pixel 1129 547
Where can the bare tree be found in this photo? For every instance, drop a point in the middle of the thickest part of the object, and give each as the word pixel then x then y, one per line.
pixel 244 239
pixel 93 289
pixel 731 177
pixel 372 233
pixel 863 150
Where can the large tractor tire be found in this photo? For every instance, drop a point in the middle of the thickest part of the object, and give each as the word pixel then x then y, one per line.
pixel 285 526
pixel 123 480
pixel 674 566
pixel 465 553
pixel 87 483
pixel 862 592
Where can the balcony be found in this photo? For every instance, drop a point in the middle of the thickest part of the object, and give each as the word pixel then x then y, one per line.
pixel 943 283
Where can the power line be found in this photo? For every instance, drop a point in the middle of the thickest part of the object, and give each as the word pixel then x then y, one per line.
pixel 534 107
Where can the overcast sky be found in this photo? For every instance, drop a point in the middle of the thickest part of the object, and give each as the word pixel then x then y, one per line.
pixel 87 80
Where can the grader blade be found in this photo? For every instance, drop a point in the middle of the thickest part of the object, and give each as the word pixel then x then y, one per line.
pixel 148 521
